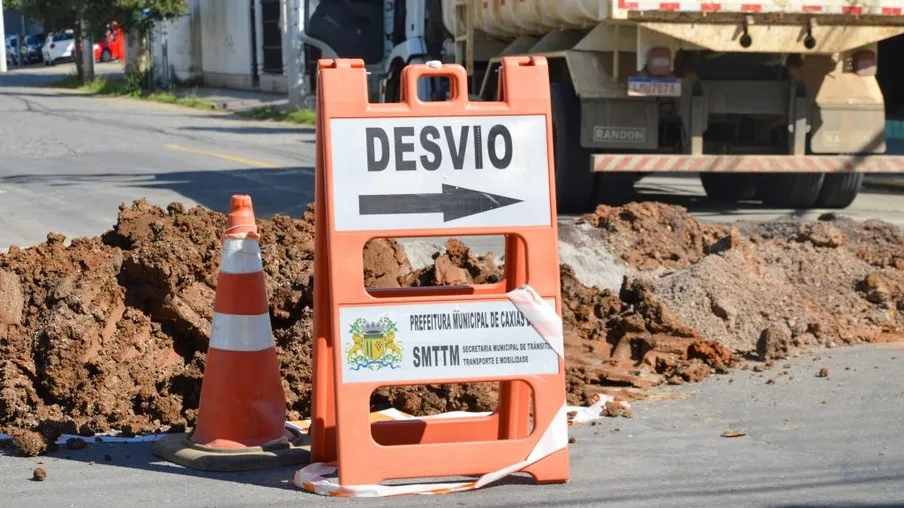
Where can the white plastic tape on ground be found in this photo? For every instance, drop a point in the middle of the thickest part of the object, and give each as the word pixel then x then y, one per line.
pixel 110 439
pixel 320 478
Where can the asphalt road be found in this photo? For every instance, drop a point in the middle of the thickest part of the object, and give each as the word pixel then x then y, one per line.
pixel 811 442
pixel 68 161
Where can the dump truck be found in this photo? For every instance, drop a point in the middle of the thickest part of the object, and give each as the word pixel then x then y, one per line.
pixel 768 100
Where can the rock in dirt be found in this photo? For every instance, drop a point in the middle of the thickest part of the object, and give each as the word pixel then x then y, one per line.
pixel 774 343
pixel 615 408
pixel 823 372
pixel 39 475
pixel 12 303
pixel 883 287
pixel 821 234
pixel 76 443
pixel 28 443
pixel 734 433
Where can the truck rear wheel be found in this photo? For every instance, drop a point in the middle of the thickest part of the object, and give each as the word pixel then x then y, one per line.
pixel 728 186
pixel 574 180
pixel 791 190
pixel 839 190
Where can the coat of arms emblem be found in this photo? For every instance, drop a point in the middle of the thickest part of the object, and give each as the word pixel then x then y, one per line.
pixel 374 345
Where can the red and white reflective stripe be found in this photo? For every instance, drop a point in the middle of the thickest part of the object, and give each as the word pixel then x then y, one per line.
pixel 810 7
pixel 230 332
pixel 747 163
pixel 241 255
pixel 241 321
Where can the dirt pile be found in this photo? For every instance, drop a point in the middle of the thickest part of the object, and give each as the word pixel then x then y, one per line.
pixel 111 333
pixel 766 289
pixel 624 343
pixel 650 235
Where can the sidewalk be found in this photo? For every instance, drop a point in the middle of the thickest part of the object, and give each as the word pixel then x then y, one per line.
pixel 236 100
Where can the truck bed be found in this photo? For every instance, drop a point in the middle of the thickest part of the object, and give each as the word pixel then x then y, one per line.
pixel 510 18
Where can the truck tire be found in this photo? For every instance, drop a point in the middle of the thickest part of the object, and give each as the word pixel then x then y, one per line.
pixel 839 190
pixel 729 187
pixel 574 180
pixel 792 190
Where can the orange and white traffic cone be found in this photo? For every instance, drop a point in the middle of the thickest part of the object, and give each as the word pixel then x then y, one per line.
pixel 242 412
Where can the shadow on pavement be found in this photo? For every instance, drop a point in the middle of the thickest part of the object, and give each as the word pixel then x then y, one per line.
pixel 842 505
pixel 274 128
pixel 275 191
pixel 682 490
pixel 138 456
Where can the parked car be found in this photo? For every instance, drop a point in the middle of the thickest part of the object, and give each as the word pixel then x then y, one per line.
pixel 31 49
pixel 112 47
pixel 12 45
pixel 59 46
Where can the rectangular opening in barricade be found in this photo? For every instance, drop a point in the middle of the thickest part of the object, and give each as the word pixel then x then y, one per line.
pixel 441 415
pixel 427 265
pixel 438 169
pixel 434 89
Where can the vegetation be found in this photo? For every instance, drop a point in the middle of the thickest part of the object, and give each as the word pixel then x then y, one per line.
pixel 130 14
pixel 131 86
pixel 293 115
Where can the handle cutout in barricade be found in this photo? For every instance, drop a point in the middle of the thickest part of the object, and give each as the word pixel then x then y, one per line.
pixel 458 84
pixel 436 169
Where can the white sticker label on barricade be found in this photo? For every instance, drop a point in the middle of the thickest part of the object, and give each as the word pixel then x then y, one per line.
pixel 442 341
pixel 446 172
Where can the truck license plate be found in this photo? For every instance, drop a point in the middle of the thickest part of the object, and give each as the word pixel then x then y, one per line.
pixel 654 87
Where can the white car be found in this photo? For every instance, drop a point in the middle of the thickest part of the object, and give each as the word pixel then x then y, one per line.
pixel 59 46
pixel 12 50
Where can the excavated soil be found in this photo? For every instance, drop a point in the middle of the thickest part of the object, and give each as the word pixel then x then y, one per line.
pixel 110 333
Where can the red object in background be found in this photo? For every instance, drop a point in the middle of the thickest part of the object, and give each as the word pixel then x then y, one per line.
pixel 113 44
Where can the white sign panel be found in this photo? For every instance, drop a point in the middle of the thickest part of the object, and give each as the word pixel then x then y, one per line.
pixel 446 172
pixel 441 341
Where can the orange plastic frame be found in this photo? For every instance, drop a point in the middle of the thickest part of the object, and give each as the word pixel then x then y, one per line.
pixel 341 429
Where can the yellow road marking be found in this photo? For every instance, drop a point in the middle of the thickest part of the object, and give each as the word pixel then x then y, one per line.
pixel 240 160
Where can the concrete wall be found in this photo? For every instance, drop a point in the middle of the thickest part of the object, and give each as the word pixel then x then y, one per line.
pixel 226 43
pixel 183 36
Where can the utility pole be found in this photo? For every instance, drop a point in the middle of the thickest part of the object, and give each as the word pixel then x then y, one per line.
pixel 292 49
pixel 3 41
pixel 87 53
pixel 20 59
pixel 164 66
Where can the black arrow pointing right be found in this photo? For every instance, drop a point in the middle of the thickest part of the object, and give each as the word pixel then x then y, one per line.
pixel 454 203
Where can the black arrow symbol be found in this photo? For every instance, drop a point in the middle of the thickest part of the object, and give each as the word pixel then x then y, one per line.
pixel 454 203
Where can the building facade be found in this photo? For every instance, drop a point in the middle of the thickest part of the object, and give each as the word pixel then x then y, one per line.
pixel 226 43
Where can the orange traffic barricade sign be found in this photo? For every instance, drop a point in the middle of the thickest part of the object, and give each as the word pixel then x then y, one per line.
pixel 420 169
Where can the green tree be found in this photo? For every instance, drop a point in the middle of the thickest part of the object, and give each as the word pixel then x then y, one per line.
pixel 97 14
